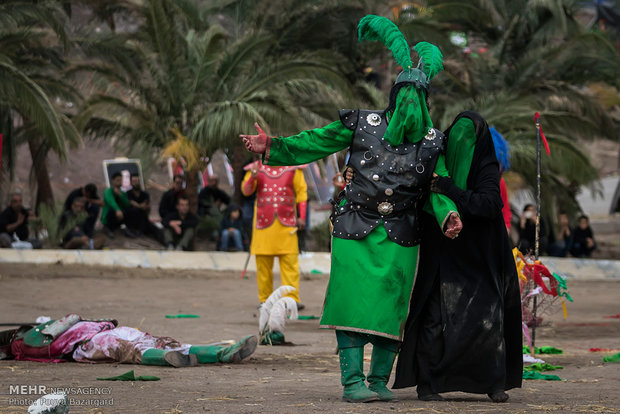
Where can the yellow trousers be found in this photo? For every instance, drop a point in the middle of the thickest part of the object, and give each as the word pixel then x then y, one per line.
pixel 289 273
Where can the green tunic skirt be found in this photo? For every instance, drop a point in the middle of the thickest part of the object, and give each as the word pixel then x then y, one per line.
pixel 370 285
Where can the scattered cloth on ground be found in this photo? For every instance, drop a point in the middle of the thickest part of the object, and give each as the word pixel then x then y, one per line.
pixel 316 272
pixel 307 317
pixel 542 350
pixel 528 359
pixel 604 349
pixel 129 376
pixel 532 375
pixel 616 316
pixel 538 367
pixel 182 315
pixel 613 358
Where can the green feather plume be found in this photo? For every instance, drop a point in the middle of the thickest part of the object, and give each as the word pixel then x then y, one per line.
pixel 431 56
pixel 374 28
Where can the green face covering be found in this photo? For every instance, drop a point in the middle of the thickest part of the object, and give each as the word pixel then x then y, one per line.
pixel 410 119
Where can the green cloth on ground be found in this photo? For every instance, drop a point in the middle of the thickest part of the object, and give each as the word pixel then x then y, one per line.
pixel 532 375
pixel 542 350
pixel 182 315
pixel 612 358
pixel 539 367
pixel 129 376
pixel 303 317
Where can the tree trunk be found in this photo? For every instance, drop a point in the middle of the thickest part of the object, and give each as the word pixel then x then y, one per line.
pixel 39 165
pixel 239 159
pixel 191 188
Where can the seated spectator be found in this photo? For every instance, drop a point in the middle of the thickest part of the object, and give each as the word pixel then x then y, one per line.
pixel 92 205
pixel 168 203
pixel 180 227
pixel 212 199
pixel 583 239
pixel 14 221
pixel 231 230
pixel 563 243
pixel 527 231
pixel 140 205
pixel 115 204
pixel 72 223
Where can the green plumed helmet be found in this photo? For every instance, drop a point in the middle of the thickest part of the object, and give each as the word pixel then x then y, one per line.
pixel 378 28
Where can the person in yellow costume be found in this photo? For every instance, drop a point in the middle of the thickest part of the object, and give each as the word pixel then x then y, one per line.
pixel 281 192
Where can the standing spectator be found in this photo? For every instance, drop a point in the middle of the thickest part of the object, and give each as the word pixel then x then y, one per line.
pixel 563 244
pixel 212 199
pixel 115 204
pixel 169 199
pixel 140 206
pixel 92 205
pixel 180 226
pixel 75 236
pixel 231 229
pixel 14 220
pixel 583 239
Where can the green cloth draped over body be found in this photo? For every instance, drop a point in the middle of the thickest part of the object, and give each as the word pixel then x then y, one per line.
pixel 410 118
pixel 371 279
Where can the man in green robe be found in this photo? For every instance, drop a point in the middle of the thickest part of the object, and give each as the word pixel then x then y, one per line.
pixel 395 153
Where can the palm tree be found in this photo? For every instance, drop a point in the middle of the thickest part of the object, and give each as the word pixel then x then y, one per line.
pixel 32 90
pixel 539 58
pixel 180 77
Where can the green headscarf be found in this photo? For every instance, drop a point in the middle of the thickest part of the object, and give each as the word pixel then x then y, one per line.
pixel 410 119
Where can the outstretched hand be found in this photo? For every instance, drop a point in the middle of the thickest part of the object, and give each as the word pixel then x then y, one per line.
pixel 255 143
pixel 453 226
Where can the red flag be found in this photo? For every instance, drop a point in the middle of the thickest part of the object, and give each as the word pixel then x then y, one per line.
pixel 542 135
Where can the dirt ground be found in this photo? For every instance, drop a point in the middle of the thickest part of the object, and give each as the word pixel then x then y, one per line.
pixel 302 378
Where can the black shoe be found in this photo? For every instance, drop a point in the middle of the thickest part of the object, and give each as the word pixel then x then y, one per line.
pixel 300 306
pixel 430 397
pixel 109 233
pixel 130 234
pixel 498 397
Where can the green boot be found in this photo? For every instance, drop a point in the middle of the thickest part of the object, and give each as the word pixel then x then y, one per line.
pixel 381 364
pixel 164 358
pixel 239 351
pixel 352 376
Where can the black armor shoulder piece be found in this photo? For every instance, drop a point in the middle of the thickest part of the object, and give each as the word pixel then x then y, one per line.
pixel 348 117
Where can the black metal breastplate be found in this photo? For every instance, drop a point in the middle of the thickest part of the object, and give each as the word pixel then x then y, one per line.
pixel 390 182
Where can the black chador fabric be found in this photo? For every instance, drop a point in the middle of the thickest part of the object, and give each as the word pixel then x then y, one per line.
pixel 464 327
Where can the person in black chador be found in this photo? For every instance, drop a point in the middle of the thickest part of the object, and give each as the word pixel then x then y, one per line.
pixel 464 328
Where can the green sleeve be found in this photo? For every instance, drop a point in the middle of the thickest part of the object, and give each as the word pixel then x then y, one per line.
pixel 124 200
pixel 308 146
pixel 110 200
pixel 440 205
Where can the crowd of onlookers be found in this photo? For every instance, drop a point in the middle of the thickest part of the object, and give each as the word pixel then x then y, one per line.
pixel 230 224
pixel 128 212
pixel 578 241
